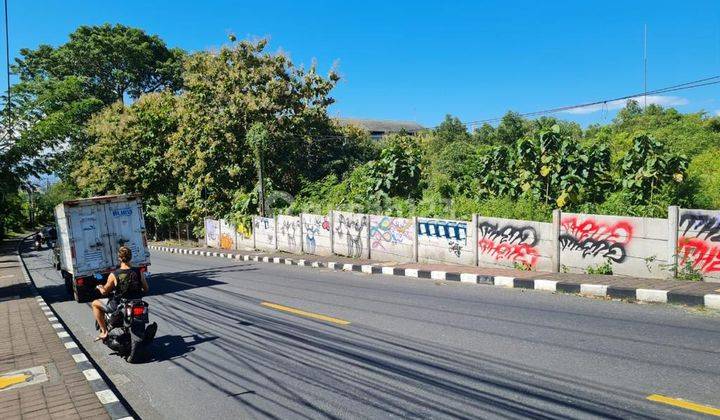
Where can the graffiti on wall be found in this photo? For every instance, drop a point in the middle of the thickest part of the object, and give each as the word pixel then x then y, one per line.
pixel 245 232
pixel 595 238
pixel 391 230
pixel 510 243
pixel 267 225
pixel 351 228
pixel 290 229
pixel 312 228
pixel 212 233
pixel 454 232
pixel 702 249
pixel 226 241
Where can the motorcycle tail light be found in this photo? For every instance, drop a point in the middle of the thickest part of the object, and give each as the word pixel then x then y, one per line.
pixel 80 281
pixel 138 310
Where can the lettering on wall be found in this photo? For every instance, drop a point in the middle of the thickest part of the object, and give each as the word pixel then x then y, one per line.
pixel 701 249
pixel 454 232
pixel 509 243
pixel 595 238
pixel 351 228
pixel 391 230
pixel 312 228
pixel 211 229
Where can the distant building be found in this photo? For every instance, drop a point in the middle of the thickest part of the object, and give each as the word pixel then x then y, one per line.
pixel 380 128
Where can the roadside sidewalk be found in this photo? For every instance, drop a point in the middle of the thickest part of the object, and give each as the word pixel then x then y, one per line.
pixel 629 288
pixel 43 373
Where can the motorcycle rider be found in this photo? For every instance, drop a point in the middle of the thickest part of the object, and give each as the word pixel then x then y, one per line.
pixel 128 282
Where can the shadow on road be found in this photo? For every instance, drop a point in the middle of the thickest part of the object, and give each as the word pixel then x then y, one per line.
pixel 169 347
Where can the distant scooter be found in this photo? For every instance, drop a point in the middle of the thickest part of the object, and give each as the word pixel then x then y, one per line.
pixel 38 242
pixel 128 331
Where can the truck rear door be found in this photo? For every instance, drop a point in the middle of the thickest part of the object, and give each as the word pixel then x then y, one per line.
pixel 127 227
pixel 90 246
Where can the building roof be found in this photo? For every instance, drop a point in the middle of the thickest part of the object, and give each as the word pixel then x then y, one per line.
pixel 384 126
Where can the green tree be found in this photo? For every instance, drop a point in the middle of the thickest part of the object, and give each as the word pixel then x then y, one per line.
pixel 649 167
pixel 128 155
pixel 225 93
pixel 60 88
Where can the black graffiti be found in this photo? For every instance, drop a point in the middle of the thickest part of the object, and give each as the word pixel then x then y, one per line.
pixel 611 250
pixel 708 227
pixel 508 234
pixel 456 231
pixel 352 229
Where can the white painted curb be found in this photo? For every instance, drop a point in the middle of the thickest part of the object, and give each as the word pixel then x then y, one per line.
pixel 651 295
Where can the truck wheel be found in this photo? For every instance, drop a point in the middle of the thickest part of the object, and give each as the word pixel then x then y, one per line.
pixel 76 295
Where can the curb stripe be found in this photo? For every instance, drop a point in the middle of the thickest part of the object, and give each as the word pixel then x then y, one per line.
pixel 618 292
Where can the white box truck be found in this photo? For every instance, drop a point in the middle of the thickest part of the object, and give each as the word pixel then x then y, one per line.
pixel 90 231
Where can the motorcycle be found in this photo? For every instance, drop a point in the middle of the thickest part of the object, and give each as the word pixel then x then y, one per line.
pixel 128 331
pixel 38 243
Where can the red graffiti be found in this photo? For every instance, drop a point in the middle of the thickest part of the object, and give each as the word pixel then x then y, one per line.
pixel 325 224
pixel 520 253
pixel 619 233
pixel 703 255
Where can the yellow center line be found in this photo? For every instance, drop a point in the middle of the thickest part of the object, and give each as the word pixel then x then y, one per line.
pixel 688 405
pixel 305 313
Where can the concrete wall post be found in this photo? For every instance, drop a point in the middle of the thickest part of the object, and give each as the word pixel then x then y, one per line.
pixel 555 257
pixel 476 253
pixel 252 225
pixel 332 232
pixel 672 256
pixel 369 252
pixel 302 235
pixel 415 239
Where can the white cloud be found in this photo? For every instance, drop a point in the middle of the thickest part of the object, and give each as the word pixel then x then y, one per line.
pixel 613 105
pixel 717 112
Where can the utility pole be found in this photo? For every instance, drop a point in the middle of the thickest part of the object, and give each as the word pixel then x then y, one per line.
pixel 262 182
pixel 8 122
pixel 257 138
pixel 645 65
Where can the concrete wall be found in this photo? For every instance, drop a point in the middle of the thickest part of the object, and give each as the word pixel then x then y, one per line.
pixel 509 242
pixel 699 242
pixel 392 238
pixel 350 231
pixel 446 241
pixel 244 237
pixel 212 233
pixel 227 235
pixel 317 234
pixel 289 236
pixel 264 228
pixel 635 246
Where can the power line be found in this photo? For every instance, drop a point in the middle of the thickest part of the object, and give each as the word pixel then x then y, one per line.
pixel 674 88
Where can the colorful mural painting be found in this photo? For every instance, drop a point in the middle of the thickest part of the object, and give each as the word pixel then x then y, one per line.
pixel 596 238
pixel 510 243
pixel 699 241
pixel 391 230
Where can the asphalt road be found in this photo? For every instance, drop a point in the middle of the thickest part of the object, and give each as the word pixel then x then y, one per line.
pixel 413 348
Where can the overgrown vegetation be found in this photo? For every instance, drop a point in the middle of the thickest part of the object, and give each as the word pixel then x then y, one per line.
pixel 115 110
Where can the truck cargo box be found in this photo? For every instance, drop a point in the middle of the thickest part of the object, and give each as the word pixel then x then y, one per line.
pixel 91 230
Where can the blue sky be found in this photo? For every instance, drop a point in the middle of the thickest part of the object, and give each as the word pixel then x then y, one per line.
pixel 421 60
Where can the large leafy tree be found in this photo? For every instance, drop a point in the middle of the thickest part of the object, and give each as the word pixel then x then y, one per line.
pixel 128 155
pixel 60 88
pixel 225 93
